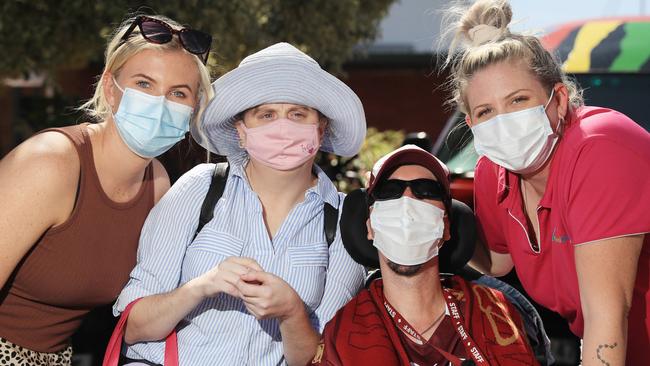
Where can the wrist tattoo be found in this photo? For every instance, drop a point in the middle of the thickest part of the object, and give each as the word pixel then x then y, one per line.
pixel 600 347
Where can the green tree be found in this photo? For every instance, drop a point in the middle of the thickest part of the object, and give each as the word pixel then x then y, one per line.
pixel 353 173
pixel 49 36
pixel 43 35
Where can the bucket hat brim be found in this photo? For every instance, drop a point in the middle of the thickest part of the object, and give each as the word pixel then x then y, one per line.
pixel 281 74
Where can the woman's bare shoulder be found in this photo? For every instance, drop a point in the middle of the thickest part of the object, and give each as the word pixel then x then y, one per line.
pixel 47 161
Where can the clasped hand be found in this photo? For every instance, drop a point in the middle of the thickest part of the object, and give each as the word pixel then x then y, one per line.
pixel 265 295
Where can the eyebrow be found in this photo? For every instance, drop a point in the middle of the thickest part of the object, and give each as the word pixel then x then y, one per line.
pixel 254 110
pixel 506 97
pixel 302 108
pixel 144 76
pixel 178 86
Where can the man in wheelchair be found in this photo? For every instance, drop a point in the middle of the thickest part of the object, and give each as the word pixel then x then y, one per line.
pixel 413 315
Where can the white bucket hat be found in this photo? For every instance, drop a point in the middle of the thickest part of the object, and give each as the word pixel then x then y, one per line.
pixel 281 74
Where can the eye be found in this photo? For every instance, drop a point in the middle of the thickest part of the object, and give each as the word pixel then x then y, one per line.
pixel 297 114
pixel 144 84
pixel 266 115
pixel 483 112
pixel 519 99
pixel 178 94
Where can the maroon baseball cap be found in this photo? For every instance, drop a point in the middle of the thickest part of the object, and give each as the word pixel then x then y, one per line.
pixel 410 155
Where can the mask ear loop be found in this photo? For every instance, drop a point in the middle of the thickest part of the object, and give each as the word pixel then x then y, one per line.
pixel 560 122
pixel 110 107
pixel 547 102
pixel 116 84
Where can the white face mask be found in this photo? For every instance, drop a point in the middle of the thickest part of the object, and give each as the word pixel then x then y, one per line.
pixel 407 231
pixel 520 141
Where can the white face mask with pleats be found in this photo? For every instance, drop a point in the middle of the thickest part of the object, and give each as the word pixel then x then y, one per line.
pixel 520 141
pixel 407 231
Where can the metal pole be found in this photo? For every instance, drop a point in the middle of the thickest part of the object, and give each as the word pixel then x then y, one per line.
pixel 641 7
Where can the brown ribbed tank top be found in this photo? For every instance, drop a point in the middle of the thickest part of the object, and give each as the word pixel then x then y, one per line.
pixel 76 266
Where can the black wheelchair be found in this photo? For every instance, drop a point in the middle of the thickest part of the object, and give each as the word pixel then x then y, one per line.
pixel 453 258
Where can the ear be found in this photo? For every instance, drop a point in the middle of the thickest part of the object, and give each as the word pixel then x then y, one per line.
pixel 468 121
pixel 109 91
pixel 447 233
pixel 371 234
pixel 323 124
pixel 239 125
pixel 561 97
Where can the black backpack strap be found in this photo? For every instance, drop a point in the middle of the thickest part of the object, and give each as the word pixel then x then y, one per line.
pixel 330 222
pixel 217 185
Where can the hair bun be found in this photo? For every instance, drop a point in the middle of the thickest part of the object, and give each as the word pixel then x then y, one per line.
pixel 486 21
pixel 483 33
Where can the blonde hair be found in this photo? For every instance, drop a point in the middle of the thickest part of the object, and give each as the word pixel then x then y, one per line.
pixel 481 38
pixel 119 52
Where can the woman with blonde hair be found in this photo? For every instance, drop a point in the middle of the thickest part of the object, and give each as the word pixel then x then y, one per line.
pixel 75 198
pixel 561 190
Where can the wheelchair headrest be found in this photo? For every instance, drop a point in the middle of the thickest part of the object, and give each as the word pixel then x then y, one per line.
pixel 453 255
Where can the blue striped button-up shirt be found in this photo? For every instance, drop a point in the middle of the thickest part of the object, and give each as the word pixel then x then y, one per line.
pixel 220 331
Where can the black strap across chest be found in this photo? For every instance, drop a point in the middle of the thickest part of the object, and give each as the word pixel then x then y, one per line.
pixel 217 185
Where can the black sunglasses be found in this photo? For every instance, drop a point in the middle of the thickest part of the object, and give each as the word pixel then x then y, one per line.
pixel 421 188
pixel 157 31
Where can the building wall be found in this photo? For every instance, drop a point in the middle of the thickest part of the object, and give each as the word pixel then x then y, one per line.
pixel 400 93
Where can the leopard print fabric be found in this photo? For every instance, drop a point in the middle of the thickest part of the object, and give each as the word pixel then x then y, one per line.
pixel 15 355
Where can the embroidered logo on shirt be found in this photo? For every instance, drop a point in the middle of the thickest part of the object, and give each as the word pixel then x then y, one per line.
pixel 561 239
pixel 309 149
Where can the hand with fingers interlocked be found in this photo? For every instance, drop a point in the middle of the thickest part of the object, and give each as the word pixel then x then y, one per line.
pixel 264 294
pixel 267 295
pixel 223 278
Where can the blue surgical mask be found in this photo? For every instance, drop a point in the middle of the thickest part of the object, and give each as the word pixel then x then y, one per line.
pixel 150 125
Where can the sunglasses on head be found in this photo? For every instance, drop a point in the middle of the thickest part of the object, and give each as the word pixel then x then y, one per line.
pixel 157 31
pixel 421 188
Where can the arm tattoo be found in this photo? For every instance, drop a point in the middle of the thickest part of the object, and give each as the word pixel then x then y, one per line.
pixel 601 346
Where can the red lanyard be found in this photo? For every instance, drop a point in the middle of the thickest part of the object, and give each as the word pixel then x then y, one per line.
pixel 468 342
pixel 457 320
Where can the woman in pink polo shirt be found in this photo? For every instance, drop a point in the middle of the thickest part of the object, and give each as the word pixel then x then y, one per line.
pixel 562 190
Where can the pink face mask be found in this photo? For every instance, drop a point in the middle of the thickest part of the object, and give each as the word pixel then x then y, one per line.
pixel 282 144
